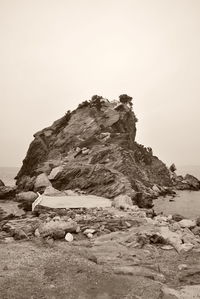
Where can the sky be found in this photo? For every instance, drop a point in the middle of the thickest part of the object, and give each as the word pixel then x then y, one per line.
pixel 56 53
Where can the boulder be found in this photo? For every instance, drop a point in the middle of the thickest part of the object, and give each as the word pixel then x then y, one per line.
pixel 57 229
pixel 155 188
pixel 51 191
pixel 55 171
pixel 187 223
pixel 26 183
pixel 192 181
pixel 172 238
pixel 1 183
pixel 41 182
pixel 28 196
pixel 122 202
pixel 143 200
pixel 182 185
pixel 7 192
pixel 172 168
pixel 177 217
pixel 196 230
pixel 26 199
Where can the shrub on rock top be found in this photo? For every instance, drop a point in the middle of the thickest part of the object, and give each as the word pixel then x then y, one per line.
pixel 125 99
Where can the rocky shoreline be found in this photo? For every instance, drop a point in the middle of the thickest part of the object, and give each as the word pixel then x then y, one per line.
pixel 92 152
pixel 124 228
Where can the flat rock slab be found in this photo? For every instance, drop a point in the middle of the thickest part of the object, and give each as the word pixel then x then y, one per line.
pixel 74 202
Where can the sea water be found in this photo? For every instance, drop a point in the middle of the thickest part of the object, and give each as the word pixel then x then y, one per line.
pixel 186 203
pixel 8 174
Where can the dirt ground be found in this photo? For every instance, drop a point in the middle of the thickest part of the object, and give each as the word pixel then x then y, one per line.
pixel 37 270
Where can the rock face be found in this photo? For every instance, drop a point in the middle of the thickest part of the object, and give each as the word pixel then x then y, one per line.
pixel 189 182
pixel 1 183
pixel 93 148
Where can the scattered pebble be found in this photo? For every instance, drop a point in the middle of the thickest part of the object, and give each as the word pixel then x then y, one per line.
pixel 69 237
pixel 90 236
pixel 9 240
pixel 167 247
pixel 182 267
pixel 89 231
pixel 37 233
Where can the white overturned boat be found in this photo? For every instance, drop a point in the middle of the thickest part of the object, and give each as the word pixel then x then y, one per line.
pixel 72 201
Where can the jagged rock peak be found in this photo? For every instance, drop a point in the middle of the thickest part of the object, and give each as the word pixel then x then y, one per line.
pixel 95 149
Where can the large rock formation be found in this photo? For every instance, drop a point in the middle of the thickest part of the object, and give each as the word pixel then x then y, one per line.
pixel 93 148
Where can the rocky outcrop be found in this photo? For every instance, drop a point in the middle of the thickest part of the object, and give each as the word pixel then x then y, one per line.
pixel 93 148
pixel 189 182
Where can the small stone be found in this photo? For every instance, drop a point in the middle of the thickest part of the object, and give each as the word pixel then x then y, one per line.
pixel 155 188
pixel 69 237
pixel 85 151
pixel 167 247
pixel 9 240
pixel 182 267
pixel 90 236
pixel 50 241
pixel 89 231
pixel 175 226
pixel 52 286
pixel 5 268
pixel 56 218
pixel 19 234
pixel 127 224
pixel 92 258
pixel 37 233
pixel 187 223
pixel 78 229
pixel 169 217
pixel 160 277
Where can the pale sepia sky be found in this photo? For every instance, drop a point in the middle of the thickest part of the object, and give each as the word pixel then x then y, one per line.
pixel 56 53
